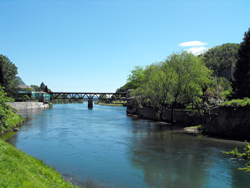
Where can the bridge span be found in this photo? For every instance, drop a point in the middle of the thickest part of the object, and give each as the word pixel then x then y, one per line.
pixel 88 95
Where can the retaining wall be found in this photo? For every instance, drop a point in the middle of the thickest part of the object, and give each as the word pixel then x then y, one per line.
pixel 28 105
pixel 229 122
pixel 180 116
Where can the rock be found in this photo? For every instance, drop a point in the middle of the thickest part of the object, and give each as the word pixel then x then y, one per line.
pixel 16 129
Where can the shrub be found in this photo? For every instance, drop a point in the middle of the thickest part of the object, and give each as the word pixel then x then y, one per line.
pixel 237 103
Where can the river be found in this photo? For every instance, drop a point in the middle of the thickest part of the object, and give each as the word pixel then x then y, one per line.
pixel 114 150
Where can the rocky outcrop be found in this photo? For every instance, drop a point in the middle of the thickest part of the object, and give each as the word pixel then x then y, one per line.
pixel 229 122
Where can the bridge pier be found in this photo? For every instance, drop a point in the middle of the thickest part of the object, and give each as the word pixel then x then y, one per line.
pixel 90 103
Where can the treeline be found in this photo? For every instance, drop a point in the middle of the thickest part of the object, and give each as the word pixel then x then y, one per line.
pixel 62 100
pixel 8 86
pixel 192 82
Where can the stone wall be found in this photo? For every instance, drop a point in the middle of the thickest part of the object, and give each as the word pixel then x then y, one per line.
pixel 180 116
pixel 28 105
pixel 229 122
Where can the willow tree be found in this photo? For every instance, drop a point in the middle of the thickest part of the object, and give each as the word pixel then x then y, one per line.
pixel 181 78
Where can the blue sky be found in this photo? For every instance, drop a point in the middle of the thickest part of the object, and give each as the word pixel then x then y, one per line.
pixel 92 45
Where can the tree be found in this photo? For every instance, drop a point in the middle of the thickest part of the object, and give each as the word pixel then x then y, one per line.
pixel 42 86
pixel 8 72
pixel 134 80
pixel 136 77
pixel 241 74
pixel 221 58
pixel 46 89
pixel 181 79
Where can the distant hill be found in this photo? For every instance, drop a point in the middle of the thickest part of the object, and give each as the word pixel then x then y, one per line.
pixel 221 58
pixel 20 81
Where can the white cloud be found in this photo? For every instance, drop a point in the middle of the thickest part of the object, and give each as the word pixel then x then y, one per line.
pixel 197 50
pixel 192 43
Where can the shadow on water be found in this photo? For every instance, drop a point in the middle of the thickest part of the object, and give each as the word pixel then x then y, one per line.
pixel 169 158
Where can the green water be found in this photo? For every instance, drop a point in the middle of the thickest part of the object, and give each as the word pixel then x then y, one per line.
pixel 114 150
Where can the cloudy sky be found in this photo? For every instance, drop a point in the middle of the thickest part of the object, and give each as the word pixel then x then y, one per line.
pixel 92 45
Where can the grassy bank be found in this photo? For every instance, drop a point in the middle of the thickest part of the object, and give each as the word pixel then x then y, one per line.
pixel 18 169
pixel 13 120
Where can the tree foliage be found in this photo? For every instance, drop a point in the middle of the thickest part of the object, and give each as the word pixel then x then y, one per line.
pixel 220 90
pixel 180 79
pixel 8 72
pixel 221 58
pixel 134 79
pixel 42 86
pixel 4 108
pixel 241 82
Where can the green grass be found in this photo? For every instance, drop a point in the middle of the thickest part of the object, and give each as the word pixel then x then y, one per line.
pixel 18 169
pixel 237 103
pixel 11 122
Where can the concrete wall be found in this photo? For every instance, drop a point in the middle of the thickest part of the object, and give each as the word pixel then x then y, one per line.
pixel 28 105
pixel 229 122
pixel 180 116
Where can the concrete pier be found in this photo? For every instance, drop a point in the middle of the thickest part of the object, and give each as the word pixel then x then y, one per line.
pixel 90 103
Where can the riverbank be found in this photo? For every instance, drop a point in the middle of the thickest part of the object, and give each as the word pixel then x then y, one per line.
pixel 110 104
pixel 17 169
pixel 28 105
pixel 225 121
pixel 114 103
pixel 12 123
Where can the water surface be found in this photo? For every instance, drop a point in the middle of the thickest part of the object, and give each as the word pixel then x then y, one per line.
pixel 114 150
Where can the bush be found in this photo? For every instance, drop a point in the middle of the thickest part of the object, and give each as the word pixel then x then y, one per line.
pixel 25 98
pixel 245 155
pixel 237 103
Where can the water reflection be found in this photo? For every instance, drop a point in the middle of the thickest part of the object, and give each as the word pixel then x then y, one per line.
pixel 117 151
pixel 170 158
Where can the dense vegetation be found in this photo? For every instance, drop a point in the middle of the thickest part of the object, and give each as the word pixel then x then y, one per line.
pixel 18 169
pixel 221 58
pixel 8 119
pixel 198 83
pixel 179 80
pixel 8 73
pixel 62 100
pixel 237 103
pixel 241 82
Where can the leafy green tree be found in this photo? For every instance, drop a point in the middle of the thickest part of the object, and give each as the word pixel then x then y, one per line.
pixel 136 77
pixel 134 80
pixel 182 78
pixel 241 82
pixel 8 72
pixel 219 90
pixel 221 58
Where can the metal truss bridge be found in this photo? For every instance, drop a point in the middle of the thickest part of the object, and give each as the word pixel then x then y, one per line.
pixel 87 95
